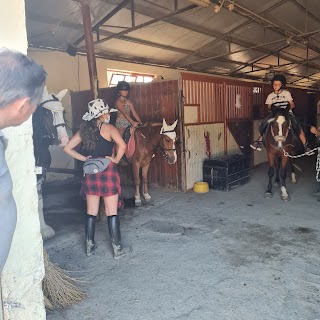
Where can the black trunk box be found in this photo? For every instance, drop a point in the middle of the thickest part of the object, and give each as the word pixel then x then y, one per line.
pixel 227 172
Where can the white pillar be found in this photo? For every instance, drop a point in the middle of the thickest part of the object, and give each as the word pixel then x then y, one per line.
pixel 22 296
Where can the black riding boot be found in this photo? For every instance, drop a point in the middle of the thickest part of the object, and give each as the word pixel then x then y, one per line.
pixel 115 237
pixel 90 227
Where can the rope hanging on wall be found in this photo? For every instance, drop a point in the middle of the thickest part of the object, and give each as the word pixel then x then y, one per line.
pixel 208 149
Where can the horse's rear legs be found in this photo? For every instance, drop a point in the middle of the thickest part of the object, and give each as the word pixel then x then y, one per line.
pixel 136 175
pixel 284 194
pixel 268 193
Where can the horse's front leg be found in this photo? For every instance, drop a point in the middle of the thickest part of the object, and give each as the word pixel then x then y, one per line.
pixel 145 190
pixel 277 163
pixel 284 194
pixel 268 193
pixel 46 231
pixel 136 175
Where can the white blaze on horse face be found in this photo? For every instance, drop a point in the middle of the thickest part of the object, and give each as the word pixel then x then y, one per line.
pixel 280 120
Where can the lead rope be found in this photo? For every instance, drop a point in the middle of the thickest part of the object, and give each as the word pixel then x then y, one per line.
pixel 308 153
pixel 318 166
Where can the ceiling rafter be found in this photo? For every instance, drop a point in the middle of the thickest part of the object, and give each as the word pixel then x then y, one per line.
pixel 97 25
pixel 145 24
pixel 229 34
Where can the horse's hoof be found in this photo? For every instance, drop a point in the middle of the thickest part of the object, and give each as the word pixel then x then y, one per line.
pixel 47 232
pixel 268 195
pixel 285 198
pixel 293 181
pixel 276 184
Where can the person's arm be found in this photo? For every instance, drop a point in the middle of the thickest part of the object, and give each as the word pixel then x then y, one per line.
pixel 269 102
pixel 134 113
pixel 290 99
pixel 69 148
pixel 120 107
pixel 108 131
pixel 292 106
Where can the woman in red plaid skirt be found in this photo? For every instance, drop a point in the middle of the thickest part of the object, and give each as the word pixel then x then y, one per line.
pixel 98 138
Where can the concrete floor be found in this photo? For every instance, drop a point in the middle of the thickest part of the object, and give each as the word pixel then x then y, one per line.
pixel 218 256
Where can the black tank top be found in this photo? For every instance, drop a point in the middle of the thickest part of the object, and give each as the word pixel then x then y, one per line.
pixel 103 146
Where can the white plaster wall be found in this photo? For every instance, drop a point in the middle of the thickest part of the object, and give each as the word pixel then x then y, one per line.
pixel 21 279
pixel 66 72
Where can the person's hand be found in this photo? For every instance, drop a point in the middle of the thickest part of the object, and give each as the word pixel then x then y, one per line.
pixel 313 130
pixel 113 159
pixel 135 124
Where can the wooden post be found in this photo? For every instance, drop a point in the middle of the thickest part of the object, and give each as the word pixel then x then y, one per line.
pixel 90 48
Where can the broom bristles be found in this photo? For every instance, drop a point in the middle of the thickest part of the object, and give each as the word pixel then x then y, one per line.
pixel 58 287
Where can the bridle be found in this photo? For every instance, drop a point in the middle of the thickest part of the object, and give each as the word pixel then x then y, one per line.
pixel 54 99
pixel 275 137
pixel 162 150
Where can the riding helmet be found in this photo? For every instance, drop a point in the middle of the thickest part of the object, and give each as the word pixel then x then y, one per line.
pixel 123 85
pixel 281 78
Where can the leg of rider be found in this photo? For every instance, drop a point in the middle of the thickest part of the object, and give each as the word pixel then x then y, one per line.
pixel 257 144
pixel 90 223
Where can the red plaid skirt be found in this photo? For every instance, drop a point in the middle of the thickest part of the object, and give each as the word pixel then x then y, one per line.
pixel 103 184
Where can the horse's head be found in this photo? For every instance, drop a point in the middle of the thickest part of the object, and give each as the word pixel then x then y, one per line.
pixel 53 103
pixel 167 143
pixel 280 126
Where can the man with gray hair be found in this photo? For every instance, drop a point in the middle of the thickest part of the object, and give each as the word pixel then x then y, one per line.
pixel 21 87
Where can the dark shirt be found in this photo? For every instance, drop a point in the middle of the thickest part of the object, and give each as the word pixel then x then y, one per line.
pixel 103 147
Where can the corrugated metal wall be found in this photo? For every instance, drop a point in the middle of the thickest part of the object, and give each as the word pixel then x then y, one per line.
pixel 209 95
pixel 196 148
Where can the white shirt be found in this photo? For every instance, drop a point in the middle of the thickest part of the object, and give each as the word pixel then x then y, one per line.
pixel 280 100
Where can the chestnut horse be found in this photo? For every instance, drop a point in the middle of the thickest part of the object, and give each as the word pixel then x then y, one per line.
pixel 149 139
pixel 278 139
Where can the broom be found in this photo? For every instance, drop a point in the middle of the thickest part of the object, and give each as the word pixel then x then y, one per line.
pixel 59 289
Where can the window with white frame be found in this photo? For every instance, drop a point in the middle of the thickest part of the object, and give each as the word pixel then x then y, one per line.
pixel 114 76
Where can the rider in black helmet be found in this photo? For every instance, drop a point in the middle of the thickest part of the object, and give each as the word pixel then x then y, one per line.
pixel 123 85
pixel 279 98
pixel 126 108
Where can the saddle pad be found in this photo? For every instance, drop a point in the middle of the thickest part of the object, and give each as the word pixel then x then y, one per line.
pixel 131 145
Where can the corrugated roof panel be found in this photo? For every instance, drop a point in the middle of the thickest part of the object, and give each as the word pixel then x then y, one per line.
pixel 134 50
pixel 50 35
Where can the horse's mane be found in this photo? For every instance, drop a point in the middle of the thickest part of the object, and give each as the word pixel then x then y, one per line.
pixel 280 112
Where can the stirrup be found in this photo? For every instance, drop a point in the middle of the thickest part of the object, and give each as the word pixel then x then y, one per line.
pixel 257 146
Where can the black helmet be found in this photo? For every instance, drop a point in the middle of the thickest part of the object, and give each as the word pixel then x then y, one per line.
pixel 123 85
pixel 281 78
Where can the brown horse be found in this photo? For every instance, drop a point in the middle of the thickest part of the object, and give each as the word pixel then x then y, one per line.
pixel 279 138
pixel 149 139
